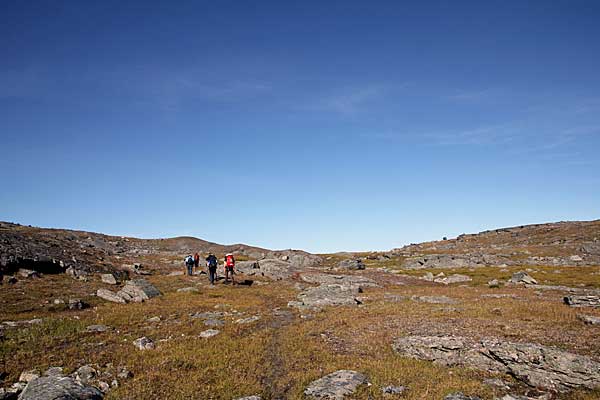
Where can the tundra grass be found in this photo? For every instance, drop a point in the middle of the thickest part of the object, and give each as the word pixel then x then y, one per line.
pixel 280 354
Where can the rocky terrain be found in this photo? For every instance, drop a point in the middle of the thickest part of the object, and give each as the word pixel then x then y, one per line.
pixel 509 314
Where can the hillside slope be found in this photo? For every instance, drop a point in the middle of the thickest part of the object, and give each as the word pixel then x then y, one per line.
pixel 559 243
pixel 55 250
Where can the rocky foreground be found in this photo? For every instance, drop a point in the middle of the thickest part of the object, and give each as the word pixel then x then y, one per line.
pixel 88 316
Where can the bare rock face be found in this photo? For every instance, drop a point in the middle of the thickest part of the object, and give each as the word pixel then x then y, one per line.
pixel 59 387
pixel 533 364
pixel 336 385
pixel 582 301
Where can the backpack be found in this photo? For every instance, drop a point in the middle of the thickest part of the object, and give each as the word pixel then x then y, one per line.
pixel 229 261
pixel 189 260
pixel 212 262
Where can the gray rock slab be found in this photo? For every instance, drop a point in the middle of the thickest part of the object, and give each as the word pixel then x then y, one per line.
pixel 533 364
pixel 59 388
pixel 336 385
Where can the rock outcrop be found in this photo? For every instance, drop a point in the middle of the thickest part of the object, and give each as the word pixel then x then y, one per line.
pixel 536 365
pixel 351 264
pixel 582 301
pixel 135 290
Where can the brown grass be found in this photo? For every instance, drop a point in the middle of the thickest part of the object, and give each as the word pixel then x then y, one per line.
pixel 278 356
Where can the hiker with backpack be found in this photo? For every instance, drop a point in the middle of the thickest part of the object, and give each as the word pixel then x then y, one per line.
pixel 229 266
pixel 211 264
pixel 189 263
pixel 196 261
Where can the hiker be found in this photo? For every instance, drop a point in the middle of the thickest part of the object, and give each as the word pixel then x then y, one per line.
pixel 229 266
pixel 196 262
pixel 211 264
pixel 189 263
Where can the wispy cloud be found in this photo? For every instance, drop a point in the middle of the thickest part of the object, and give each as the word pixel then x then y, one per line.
pixel 493 134
pixel 468 96
pixel 353 101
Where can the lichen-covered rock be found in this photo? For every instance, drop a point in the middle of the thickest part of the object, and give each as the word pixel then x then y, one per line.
pixel 533 364
pixel 209 333
pixel 144 343
pixel 336 385
pixel 58 387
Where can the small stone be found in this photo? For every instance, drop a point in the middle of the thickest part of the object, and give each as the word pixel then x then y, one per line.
pixel 393 389
pixel 109 279
pixel 125 374
pixel 494 283
pixel 97 328
pixel 77 304
pixel 58 301
pixel 209 333
pixel 248 320
pixel 114 384
pixel 144 343
pixel 255 397
pixel 85 374
pixel 154 319
pixel 213 322
pixel 188 290
pixel 103 386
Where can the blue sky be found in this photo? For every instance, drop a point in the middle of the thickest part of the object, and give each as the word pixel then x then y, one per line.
pixel 322 125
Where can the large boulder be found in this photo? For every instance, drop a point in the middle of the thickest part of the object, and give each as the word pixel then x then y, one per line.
pixel 57 387
pixel 351 264
pixel 336 385
pixel 536 365
pixel 135 290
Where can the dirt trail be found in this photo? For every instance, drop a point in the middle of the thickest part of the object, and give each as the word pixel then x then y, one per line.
pixel 275 390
